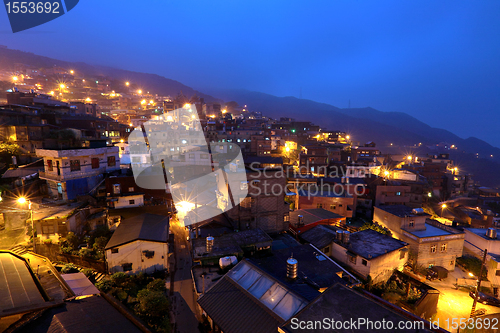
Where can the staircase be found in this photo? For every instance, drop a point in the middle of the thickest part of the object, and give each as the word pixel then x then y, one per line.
pixel 18 249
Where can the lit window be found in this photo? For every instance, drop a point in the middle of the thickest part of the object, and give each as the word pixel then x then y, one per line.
pixel 443 247
pixel 433 248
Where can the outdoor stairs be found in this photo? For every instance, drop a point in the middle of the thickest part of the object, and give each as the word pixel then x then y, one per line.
pixel 99 277
pixel 18 249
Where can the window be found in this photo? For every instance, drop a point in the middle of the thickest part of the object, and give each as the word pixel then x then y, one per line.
pixel 127 267
pixel 398 193
pixel 319 205
pixel 149 254
pixel 114 250
pixel 74 165
pixel 411 223
pixel 352 258
pixel 443 247
pixel 364 262
pixel 286 218
pixel 497 272
pixel 47 228
pixel 95 163
pixel 433 248
pixel 111 161
pixel 131 202
pixel 333 207
pixel 131 189
pixel 402 255
pixel 326 249
pixel 116 188
pixel 50 166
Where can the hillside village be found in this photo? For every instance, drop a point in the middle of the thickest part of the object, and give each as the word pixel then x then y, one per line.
pixel 328 221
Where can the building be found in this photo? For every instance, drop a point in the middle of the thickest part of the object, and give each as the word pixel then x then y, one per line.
pixel 333 198
pixel 302 220
pixel 371 254
pixel 479 239
pixel 340 304
pixel 431 243
pixel 73 172
pixel 139 244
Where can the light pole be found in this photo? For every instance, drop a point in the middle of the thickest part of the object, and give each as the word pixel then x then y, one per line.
pixel 22 200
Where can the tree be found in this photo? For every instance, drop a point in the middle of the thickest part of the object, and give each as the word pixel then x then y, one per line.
pixel 7 150
pixel 157 285
pixel 152 305
pixel 100 243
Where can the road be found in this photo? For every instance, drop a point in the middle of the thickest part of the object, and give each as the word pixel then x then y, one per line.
pixel 184 297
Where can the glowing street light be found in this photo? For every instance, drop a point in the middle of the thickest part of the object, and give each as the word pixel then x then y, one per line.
pixel 386 173
pixel 21 200
pixel 444 206
pixel 72 71
pixel 88 100
pixel 143 102
pixel 52 93
pixel 139 92
pixel 471 275
pixel 409 157
pixel 127 83
pixel 15 78
pixel 187 106
pixel 287 149
pixel 62 86
pixel 347 137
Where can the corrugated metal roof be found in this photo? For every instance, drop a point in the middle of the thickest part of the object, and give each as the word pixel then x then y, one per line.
pixel 234 310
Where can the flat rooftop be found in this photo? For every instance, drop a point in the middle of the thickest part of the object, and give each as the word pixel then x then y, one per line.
pixel 371 244
pixel 400 210
pixel 320 235
pixel 482 232
pixel 312 215
pixel 430 231
pixel 18 289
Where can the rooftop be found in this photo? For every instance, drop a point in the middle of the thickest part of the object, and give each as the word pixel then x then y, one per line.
pixel 430 231
pixel 371 244
pixel 316 271
pixel 400 210
pixel 320 235
pixel 482 232
pixel 312 215
pixel 341 303
pixel 18 285
pixel 229 244
pixel 150 227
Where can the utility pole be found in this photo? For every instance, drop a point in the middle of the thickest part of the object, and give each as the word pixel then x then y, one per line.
pixel 473 310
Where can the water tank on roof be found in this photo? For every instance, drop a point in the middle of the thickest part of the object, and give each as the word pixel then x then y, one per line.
pixel 339 236
pixel 346 235
pixel 417 211
pixel 210 243
pixel 491 233
pixel 291 268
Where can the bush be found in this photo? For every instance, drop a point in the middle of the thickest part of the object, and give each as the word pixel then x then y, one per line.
pixel 69 268
pixel 157 285
pixel 47 241
pixel 86 253
pixel 104 285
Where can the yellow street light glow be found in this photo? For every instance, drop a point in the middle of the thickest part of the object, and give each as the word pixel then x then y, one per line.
pixel 224 111
pixel 429 194
pixel 347 137
pixel 83 80
pixel 62 86
pixel 127 83
pixel 21 200
pixel 121 140
pixel 52 93
pixel 386 173
pixel 143 102
pixel 183 207
pixel 151 101
pixel 131 125
pixel 409 157
pixel 15 78
pixel 287 149
pixel 192 117
pixel 443 206
pixel 72 71
pixel 187 106
pixel 139 91
pixel 470 274
pixel 88 100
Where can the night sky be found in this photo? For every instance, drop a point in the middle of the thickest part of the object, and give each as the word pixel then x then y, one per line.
pixel 438 61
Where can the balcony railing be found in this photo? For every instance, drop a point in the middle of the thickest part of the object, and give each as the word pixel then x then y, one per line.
pixel 71 175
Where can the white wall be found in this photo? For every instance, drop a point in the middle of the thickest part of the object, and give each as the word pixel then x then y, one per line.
pixel 124 202
pixel 132 253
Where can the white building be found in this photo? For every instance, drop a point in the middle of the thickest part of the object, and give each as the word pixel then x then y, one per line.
pixel 139 244
pixel 479 239
pixel 73 172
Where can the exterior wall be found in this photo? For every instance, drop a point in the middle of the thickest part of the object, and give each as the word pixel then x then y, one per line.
pixel 493 245
pixel 380 269
pixel 124 202
pixel 392 195
pixel 396 223
pixel 132 253
pixel 421 248
pixel 345 206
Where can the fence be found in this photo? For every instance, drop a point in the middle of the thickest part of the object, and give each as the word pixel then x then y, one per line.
pixel 51 251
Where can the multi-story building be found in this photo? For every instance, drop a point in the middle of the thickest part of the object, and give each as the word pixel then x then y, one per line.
pixel 431 243
pixel 73 172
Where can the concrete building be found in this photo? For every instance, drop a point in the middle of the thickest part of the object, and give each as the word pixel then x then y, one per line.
pixel 139 244
pixel 73 172
pixel 431 243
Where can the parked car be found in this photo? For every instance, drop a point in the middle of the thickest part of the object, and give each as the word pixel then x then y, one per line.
pixel 485 298
pixel 437 272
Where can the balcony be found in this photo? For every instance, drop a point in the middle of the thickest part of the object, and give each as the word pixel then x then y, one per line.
pixel 71 175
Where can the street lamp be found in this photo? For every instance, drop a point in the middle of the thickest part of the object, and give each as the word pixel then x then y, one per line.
pixel 127 83
pixel 22 201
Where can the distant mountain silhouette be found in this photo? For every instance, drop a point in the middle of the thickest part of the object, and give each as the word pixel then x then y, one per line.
pixel 363 124
pixel 149 82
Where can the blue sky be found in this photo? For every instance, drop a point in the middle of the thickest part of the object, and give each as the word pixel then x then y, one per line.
pixel 435 60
